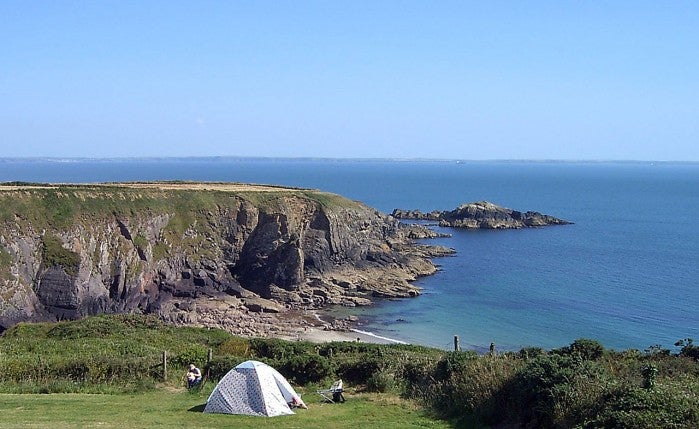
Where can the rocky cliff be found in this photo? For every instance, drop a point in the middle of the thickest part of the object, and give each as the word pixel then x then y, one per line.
pixel 482 215
pixel 241 257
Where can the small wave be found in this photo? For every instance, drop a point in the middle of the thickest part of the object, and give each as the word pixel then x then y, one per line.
pixel 371 334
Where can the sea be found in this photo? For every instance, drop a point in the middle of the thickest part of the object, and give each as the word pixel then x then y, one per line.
pixel 626 273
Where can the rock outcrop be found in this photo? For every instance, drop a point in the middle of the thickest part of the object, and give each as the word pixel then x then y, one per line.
pixel 482 215
pixel 234 256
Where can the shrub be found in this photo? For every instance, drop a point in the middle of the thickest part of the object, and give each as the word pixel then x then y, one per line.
pixel 633 407
pixel 306 368
pixel 583 348
pixel 467 385
pixel 417 376
pixel 453 363
pixel 382 381
pixel 219 366
pixel 196 354
pixel 103 326
pixel 688 348
pixel 273 348
pixel 556 390
pixel 358 369
pixel 236 346
pixel 531 352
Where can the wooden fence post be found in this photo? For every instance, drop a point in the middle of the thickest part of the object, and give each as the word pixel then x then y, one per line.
pixel 164 365
pixel 456 343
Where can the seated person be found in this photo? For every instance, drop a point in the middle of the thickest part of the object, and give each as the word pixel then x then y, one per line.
pixel 297 402
pixel 193 376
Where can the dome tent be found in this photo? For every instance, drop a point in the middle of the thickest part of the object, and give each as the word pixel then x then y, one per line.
pixel 253 388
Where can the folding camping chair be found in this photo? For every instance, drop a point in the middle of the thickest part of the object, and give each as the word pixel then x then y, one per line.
pixel 334 393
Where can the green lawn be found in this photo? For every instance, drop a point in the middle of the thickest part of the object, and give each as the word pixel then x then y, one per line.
pixel 163 409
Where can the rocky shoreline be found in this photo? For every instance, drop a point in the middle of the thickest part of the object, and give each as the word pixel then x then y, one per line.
pixel 482 215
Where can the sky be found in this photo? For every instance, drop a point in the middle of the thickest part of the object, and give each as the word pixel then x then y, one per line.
pixel 568 80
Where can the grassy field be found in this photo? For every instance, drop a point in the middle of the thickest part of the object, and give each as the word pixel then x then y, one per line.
pixel 168 409
pixel 105 371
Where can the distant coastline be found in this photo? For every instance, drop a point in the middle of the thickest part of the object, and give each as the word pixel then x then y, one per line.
pixel 215 158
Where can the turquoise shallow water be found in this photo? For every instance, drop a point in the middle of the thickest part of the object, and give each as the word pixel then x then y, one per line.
pixel 626 273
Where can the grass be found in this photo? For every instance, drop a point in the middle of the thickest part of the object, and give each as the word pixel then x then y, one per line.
pixel 171 409
pixel 61 207
pixel 105 371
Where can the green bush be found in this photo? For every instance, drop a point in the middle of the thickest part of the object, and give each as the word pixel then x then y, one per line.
pixel 465 385
pixel 219 366
pixel 357 370
pixel 637 408
pixel 453 363
pixel 236 346
pixel 531 352
pixel 196 355
pixel 305 368
pixel 382 381
pixel 276 349
pixel 554 390
pixel 416 377
pixel 584 349
pixel 97 369
pixel 688 348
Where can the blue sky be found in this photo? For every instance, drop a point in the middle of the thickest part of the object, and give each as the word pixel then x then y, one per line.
pixel 359 79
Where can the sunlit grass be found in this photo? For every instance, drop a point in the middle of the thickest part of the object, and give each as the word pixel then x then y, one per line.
pixel 160 409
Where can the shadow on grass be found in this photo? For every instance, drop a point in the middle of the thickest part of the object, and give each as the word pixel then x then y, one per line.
pixel 198 408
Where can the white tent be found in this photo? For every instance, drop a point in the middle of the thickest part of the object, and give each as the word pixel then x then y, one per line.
pixel 253 388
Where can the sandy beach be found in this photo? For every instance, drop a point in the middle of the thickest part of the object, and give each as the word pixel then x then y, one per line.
pixel 320 335
pixel 322 328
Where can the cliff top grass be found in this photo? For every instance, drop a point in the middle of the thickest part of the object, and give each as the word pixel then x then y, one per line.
pixel 59 205
pixel 165 185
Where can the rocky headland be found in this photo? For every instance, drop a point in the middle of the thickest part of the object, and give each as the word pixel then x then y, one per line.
pixel 254 260
pixel 482 215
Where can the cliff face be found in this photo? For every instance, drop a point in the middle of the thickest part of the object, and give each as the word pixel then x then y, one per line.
pixel 211 255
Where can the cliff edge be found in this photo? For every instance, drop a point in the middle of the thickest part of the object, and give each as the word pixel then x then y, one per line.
pixel 245 258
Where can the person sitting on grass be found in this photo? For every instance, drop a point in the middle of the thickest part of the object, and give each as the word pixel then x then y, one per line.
pixel 193 376
pixel 297 402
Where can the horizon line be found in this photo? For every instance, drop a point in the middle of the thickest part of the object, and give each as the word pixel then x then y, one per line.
pixel 340 159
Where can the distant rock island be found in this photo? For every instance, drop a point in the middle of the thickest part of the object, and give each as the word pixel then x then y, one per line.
pixel 482 215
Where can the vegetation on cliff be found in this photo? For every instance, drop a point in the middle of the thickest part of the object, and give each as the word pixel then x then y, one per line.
pixel 63 205
pixel 55 255
pixel 196 253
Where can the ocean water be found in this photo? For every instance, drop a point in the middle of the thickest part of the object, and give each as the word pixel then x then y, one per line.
pixel 626 273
